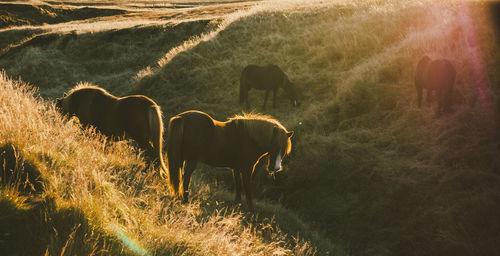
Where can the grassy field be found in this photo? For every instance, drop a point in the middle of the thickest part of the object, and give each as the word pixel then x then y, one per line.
pixel 370 173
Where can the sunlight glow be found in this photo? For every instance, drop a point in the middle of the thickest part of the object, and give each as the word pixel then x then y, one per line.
pixel 476 61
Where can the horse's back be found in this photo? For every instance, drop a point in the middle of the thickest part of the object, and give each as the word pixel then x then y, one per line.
pixel 132 116
pixel 262 77
pixel 270 71
pixel 194 117
pixel 205 139
pixel 198 130
pixel 134 106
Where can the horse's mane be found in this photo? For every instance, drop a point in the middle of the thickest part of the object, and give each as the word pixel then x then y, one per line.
pixel 87 85
pixel 255 116
pixel 258 126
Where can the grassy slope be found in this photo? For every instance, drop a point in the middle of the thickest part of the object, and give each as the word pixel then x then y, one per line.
pixel 67 61
pixel 13 14
pixel 378 174
pixel 96 197
pixel 108 51
pixel 369 169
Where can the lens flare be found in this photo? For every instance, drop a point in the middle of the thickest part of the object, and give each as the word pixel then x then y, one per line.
pixel 476 62
pixel 131 244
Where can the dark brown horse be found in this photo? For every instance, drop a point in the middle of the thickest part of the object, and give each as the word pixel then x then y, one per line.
pixel 435 75
pixel 268 78
pixel 136 117
pixel 238 143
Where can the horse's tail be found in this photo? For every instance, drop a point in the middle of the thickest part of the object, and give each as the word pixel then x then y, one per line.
pixel 243 89
pixel 174 153
pixel 156 131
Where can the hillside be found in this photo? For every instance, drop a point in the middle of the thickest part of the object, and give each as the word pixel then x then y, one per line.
pixel 370 173
pixel 378 174
pixel 71 192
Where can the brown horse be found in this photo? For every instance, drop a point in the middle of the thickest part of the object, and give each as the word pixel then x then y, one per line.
pixel 238 143
pixel 435 75
pixel 267 78
pixel 136 117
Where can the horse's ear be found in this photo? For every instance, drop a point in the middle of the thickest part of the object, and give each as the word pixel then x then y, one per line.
pixel 289 134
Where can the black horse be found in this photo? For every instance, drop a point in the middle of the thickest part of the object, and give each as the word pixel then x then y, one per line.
pixel 438 76
pixel 267 78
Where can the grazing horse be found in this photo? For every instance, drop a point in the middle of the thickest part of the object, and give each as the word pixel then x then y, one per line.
pixel 435 75
pixel 267 78
pixel 136 117
pixel 238 143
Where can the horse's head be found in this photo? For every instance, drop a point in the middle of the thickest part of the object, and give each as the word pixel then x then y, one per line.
pixel 291 92
pixel 59 104
pixel 63 104
pixel 280 147
pixel 268 136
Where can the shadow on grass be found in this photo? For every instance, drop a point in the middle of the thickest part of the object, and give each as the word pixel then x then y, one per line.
pixel 19 173
pixel 32 224
pixel 269 218
pixel 39 227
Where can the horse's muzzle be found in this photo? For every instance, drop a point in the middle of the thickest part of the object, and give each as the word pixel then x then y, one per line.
pixel 59 104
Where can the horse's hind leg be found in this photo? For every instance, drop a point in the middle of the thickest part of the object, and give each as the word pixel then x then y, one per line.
pixel 189 167
pixel 247 178
pixel 237 185
pixel 149 152
pixel 265 99
pixel 448 99
pixel 429 96
pixel 440 101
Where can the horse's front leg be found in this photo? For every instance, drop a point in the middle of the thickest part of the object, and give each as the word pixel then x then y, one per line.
pixel 274 97
pixel 150 155
pixel 429 96
pixel 247 103
pixel 189 167
pixel 237 185
pixel 265 98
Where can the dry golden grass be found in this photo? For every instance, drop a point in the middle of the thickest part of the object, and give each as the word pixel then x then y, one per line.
pixel 105 183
